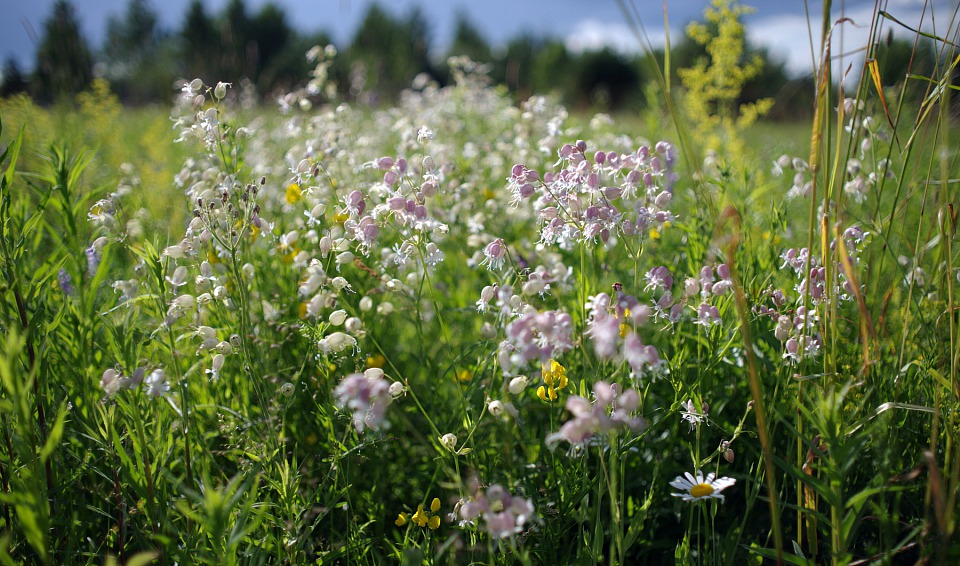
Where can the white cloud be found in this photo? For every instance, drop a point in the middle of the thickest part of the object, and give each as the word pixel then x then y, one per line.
pixel 590 35
pixel 788 35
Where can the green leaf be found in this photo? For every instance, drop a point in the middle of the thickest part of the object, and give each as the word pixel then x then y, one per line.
pixel 143 558
pixel 56 433
pixel 11 152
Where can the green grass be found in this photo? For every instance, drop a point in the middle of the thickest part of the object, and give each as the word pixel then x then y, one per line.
pixel 178 390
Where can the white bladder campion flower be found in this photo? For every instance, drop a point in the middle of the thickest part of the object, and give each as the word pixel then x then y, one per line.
pixel 156 383
pixel 695 488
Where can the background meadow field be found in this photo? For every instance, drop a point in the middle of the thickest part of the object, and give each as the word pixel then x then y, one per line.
pixel 467 327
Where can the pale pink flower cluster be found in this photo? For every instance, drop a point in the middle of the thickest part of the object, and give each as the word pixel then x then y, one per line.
pixel 611 410
pixel 367 396
pixel 598 196
pixel 504 515
pixel 611 325
pixel 796 326
pixel 536 336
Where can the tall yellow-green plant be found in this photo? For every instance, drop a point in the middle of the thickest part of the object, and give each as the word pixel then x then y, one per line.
pixel 713 85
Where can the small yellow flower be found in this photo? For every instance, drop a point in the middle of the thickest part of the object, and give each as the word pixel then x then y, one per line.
pixel 294 193
pixel 464 375
pixel 341 217
pixel 624 327
pixel 376 361
pixel 554 379
pixel 420 517
pixel 546 394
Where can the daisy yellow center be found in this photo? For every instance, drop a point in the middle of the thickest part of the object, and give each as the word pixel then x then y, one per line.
pixel 701 490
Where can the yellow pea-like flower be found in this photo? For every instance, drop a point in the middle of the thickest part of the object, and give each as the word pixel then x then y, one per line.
pixel 420 517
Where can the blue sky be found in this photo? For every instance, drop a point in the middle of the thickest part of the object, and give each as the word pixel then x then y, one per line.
pixel 780 25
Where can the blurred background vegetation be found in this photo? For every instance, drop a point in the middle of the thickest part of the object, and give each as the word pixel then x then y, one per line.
pixel 262 53
pixel 263 56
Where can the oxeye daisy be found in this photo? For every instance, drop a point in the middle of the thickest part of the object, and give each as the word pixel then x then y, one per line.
pixel 700 487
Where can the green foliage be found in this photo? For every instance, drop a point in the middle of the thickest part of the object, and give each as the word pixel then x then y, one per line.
pixel 223 370
pixel 64 65
pixel 714 83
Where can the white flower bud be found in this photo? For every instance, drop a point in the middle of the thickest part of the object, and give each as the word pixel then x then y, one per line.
pixel 495 407
pixel 175 252
pixel 337 342
pixel 373 373
pixel 518 384
pixel 338 317
pixel 366 304
pixel 385 308
pixel 326 244
pixel 183 302
pixel 353 325
pixel 396 389
pixel 488 331
pixel 206 332
pixel 449 441
pixel 286 389
pixel 533 286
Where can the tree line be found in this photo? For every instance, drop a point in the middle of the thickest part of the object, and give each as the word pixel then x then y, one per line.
pixel 142 60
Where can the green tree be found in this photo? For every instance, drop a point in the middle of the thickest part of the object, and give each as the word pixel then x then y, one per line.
pixel 605 79
pixel 387 54
pixel 238 58
pixel 551 70
pixel 515 68
pixel 14 82
pixel 139 63
pixel 201 47
pixel 467 40
pixel 269 36
pixel 64 63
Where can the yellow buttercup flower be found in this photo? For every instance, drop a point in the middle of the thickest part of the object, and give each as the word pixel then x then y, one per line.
pixel 401 520
pixel 293 194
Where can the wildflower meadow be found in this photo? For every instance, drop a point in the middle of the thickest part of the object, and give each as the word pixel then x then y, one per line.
pixel 466 329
